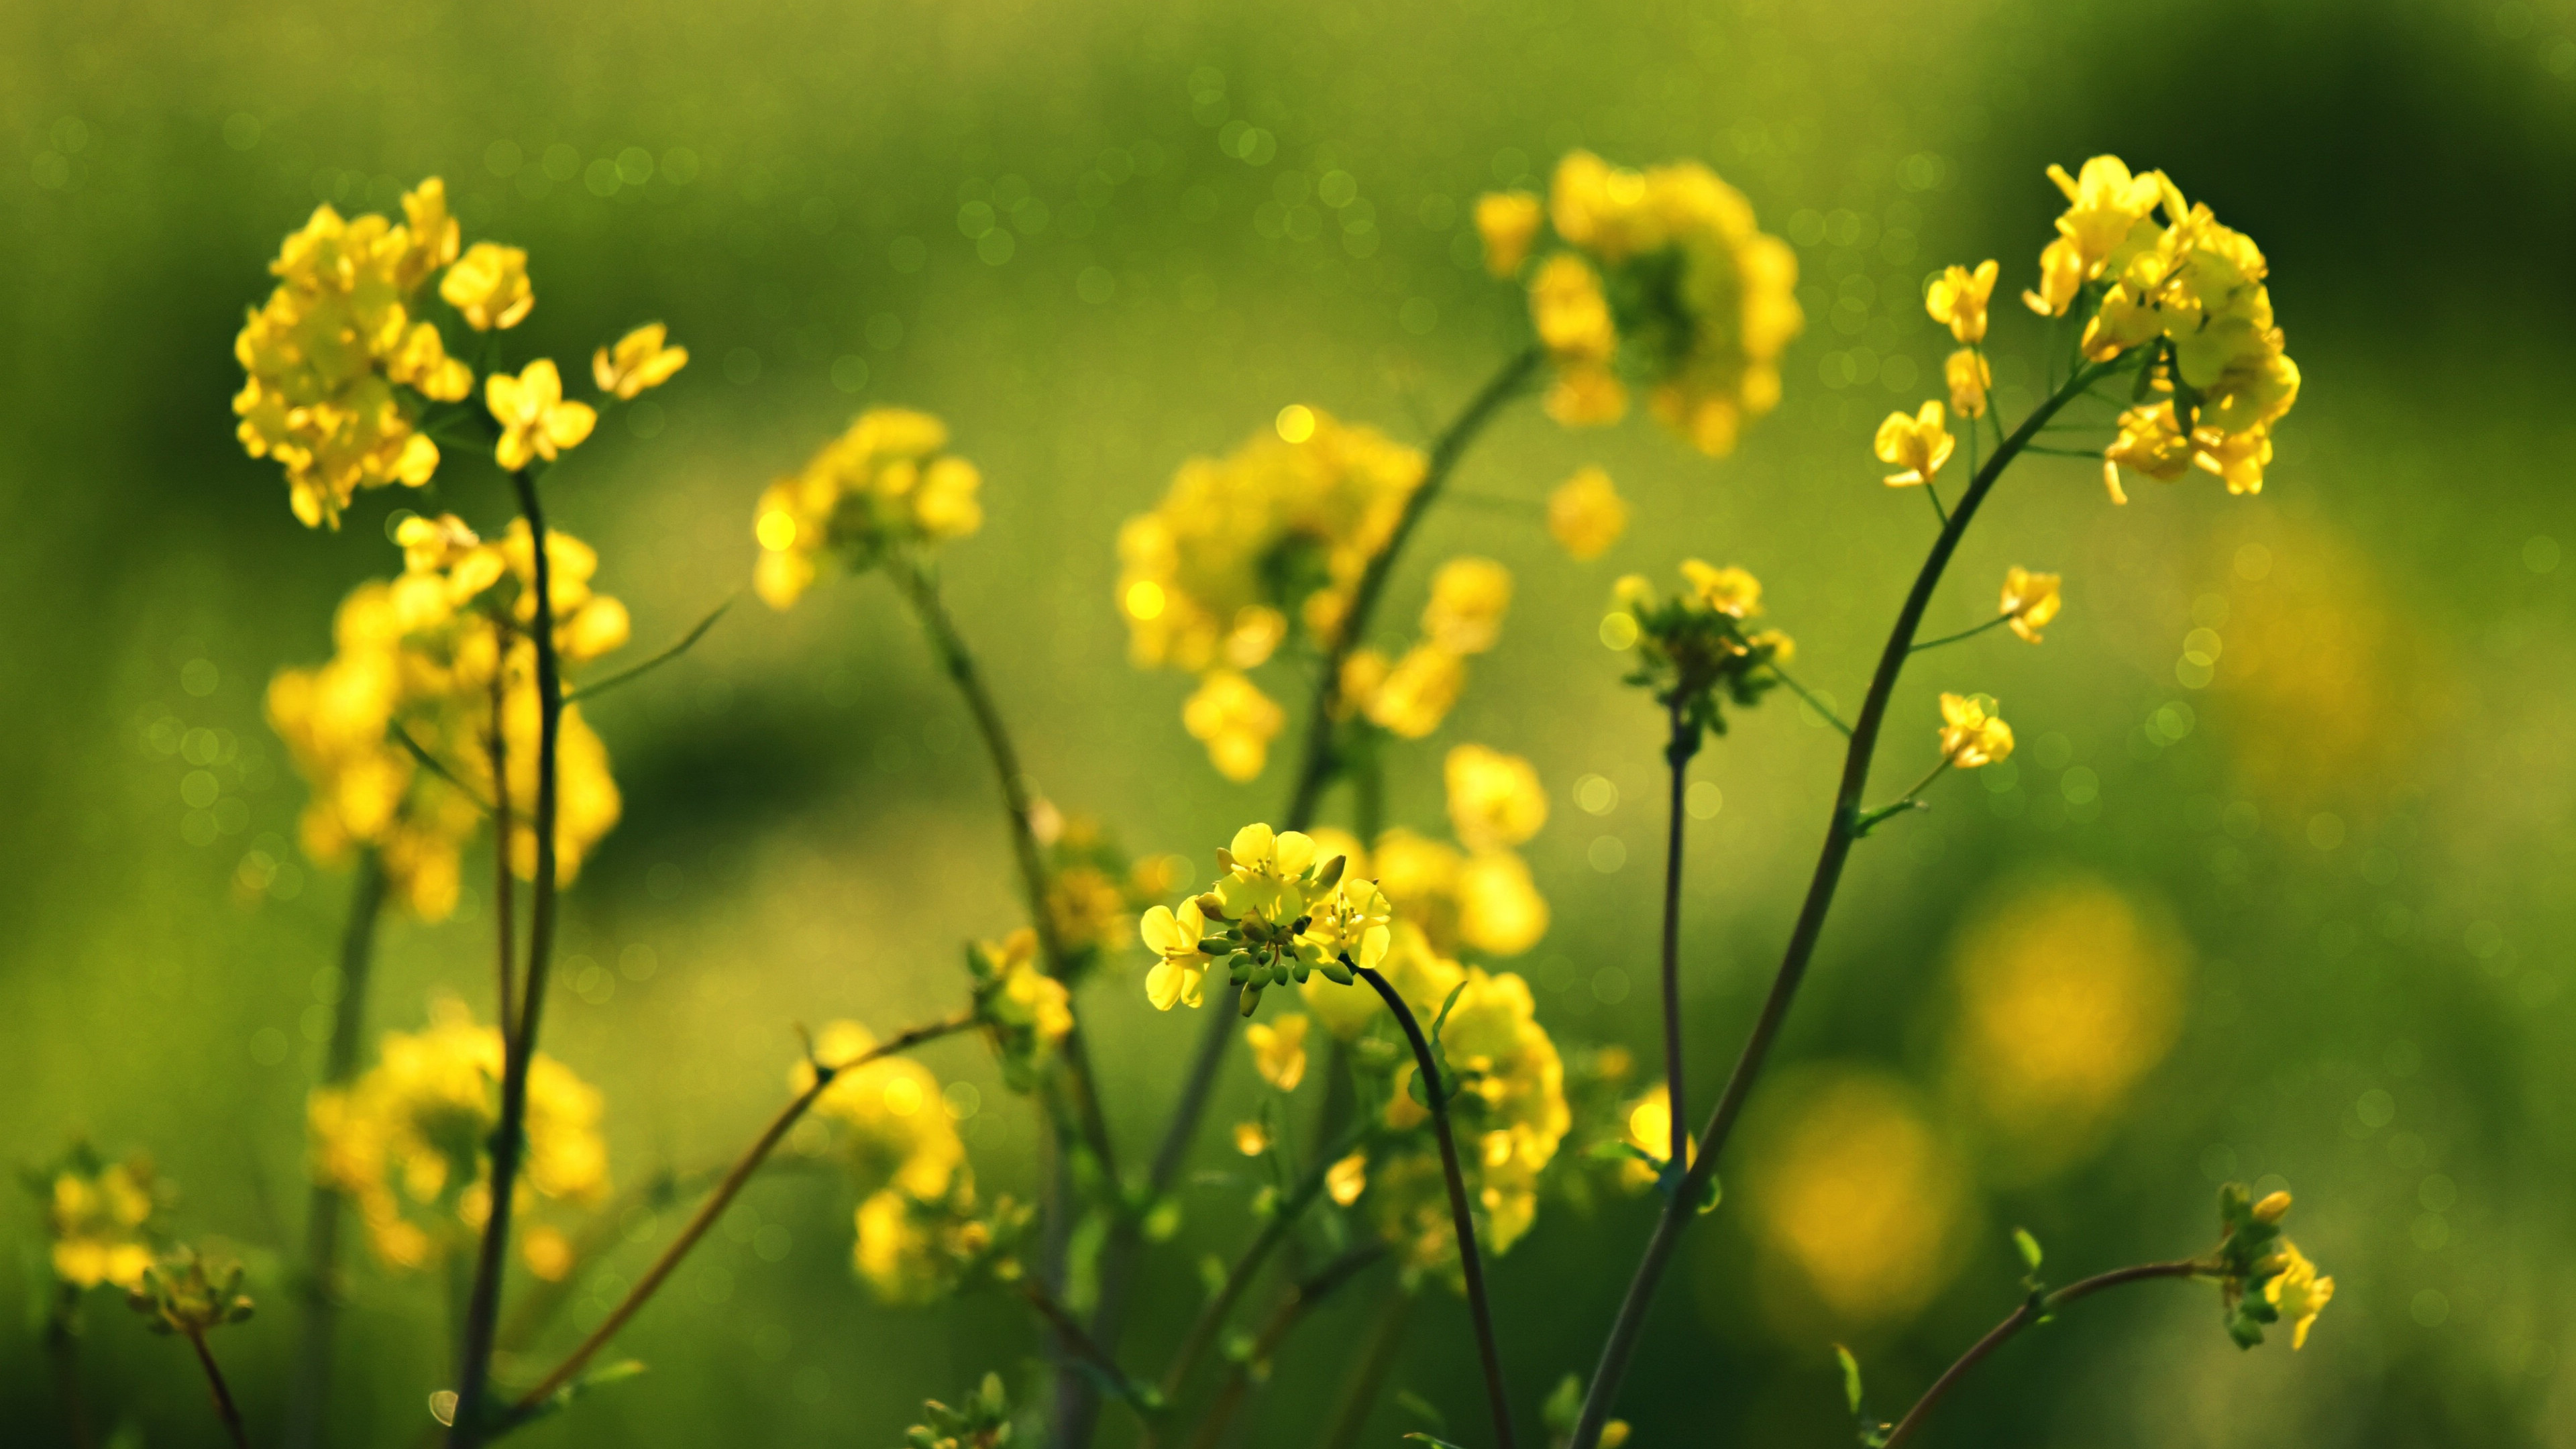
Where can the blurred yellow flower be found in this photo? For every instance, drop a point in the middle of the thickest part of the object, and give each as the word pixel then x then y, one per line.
pixel 1508 221
pixel 1279 1050
pixel 2299 1293
pixel 1495 799
pixel 1648 1127
pixel 99 1216
pixel 897 1131
pixel 1235 720
pixel 2030 601
pixel 1731 591
pixel 1345 1180
pixel 488 286
pixel 1417 693
pixel 1968 377
pixel 1917 445
pixel 1251 1138
pixel 1957 299
pixel 536 421
pixel 1972 734
pixel 1574 325
pixel 885 483
pixel 1512 1115
pixel 639 360
pixel 1500 911
pixel 1586 514
pixel 1852 1189
pixel 1468 599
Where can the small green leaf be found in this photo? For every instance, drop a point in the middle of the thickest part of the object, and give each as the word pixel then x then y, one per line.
pixel 1851 1377
pixel 2030 1254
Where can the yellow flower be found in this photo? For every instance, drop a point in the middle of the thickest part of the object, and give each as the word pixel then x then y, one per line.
pixel 1969 379
pixel 639 361
pixel 1731 591
pixel 2029 601
pixel 1512 1114
pixel 535 420
pixel 1251 1139
pixel 1957 299
pixel 1573 320
pixel 1418 691
pixel 1586 514
pixel 1972 734
pixel 1494 798
pixel 1918 445
pixel 1180 968
pixel 1345 1180
pixel 1279 1050
pixel 1508 221
pixel 100 1220
pixel 1235 720
pixel 910 1250
pixel 2105 206
pixel 488 286
pixel 884 483
pixel 1648 1127
pixel 898 1133
pixel 1500 911
pixel 2299 1293
pixel 1468 599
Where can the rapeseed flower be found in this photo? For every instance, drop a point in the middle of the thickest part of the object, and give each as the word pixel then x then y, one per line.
pixel 1917 445
pixel 1586 514
pixel 1280 911
pixel 2298 1293
pixel 1025 1013
pixel 639 360
pixel 1412 697
pixel 1468 599
pixel 536 422
pixel 1235 720
pixel 885 484
pixel 1495 800
pixel 1969 379
pixel 1509 222
pixel 489 288
pixel 1972 734
pixel 1957 299
pixel 1510 1111
pixel 2029 601
pixel 100 1217
pixel 1279 1050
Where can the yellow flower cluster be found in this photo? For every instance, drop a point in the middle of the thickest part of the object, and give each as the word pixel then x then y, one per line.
pixel 1669 262
pixel 1957 299
pixel 1024 1011
pixel 406 1141
pixel 2194 290
pixel 886 483
pixel 1586 514
pixel 1972 734
pixel 328 351
pixel 1242 549
pixel 99 1216
pixel 1284 907
pixel 441 657
pixel 1410 695
pixel 1511 1111
pixel 915 1218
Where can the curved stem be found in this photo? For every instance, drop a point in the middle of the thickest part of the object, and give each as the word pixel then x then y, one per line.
pixel 1996 622
pixel 2020 1318
pixel 509 1133
pixel 1624 1329
pixel 1677 754
pixel 720 1199
pixel 224 1408
pixel 1301 1300
pixel 1284 1217
pixel 1075 1413
pixel 309 1402
pixel 1462 1219
pixel 687 641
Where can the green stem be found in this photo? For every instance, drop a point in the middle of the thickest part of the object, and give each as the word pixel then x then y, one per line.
pixel 62 1345
pixel 1814 703
pixel 1070 1332
pixel 1625 1329
pixel 688 640
pixel 1462 1218
pixel 2020 1318
pixel 1932 495
pixel 1995 622
pixel 509 1134
pixel 1301 1301
pixel 309 1401
pixel 223 1393
pixel 1683 744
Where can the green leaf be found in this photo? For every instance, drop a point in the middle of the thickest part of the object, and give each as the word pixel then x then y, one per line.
pixel 2030 1254
pixel 1423 1409
pixel 1851 1377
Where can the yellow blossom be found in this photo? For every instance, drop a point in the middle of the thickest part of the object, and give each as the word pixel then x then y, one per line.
pixel 2105 205
pixel 535 420
pixel 2029 601
pixel 1512 1115
pixel 911 1250
pixel 1917 445
pixel 2298 1293
pixel 100 1219
pixel 639 360
pixel 885 483
pixel 1972 734
pixel 1279 1050
pixel 1969 379
pixel 897 1131
pixel 1468 599
pixel 1509 222
pixel 1957 299
pixel 1500 911
pixel 1494 799
pixel 488 286
pixel 1418 691
pixel 1586 514
pixel 1251 1138
pixel 1648 1127
pixel 1235 720
pixel 1730 590
pixel 1574 325
pixel 1345 1180
pixel 1180 966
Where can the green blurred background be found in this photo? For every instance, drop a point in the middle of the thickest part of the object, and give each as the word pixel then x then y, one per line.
pixel 2340 850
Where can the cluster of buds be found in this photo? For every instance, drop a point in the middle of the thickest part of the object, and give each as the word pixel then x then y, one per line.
pixel 982 1421
pixel 1278 914
pixel 186 1294
pixel 2262 1276
pixel 1694 649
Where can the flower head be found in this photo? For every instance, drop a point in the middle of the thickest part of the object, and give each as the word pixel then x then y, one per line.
pixel 1409 698
pixel 1586 514
pixel 2029 601
pixel 1969 379
pixel 1494 799
pixel 639 360
pixel 1176 937
pixel 1730 590
pixel 1693 649
pixel 1024 1011
pixel 1957 299
pixel 488 286
pixel 100 1216
pixel 185 1293
pixel 1281 911
pixel 1279 1050
pixel 2298 1293
pixel 886 483
pixel 1508 221
pixel 1972 734
pixel 536 422
pixel 1235 720
pixel 1917 445
pixel 1468 600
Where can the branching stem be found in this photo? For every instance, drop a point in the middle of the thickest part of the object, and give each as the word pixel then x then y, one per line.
pixel 2021 1318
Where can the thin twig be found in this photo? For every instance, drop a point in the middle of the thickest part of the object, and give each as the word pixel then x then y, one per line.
pixel 1461 1217
pixel 1999 619
pixel 720 1199
pixel 2020 1318
pixel 1283 1217
pixel 1813 702
pixel 222 1391
pixel 1678 1209
pixel 1301 1300
pixel 432 763
pixel 505 886
pixel 1070 1331
pixel 1678 750
pixel 602 686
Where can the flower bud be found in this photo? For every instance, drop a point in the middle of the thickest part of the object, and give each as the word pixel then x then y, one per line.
pixel 2273 1208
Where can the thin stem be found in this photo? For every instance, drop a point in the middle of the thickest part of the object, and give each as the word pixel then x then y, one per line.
pixel 436 766
pixel 1070 1332
pixel 1284 1217
pixel 62 1345
pixel 1814 703
pixel 1076 1414
pixel 1461 1218
pixel 1301 1300
pixel 602 686
pixel 1995 622
pixel 1369 1368
pixel 720 1199
pixel 1677 754
pixel 509 1132
pixel 1621 1344
pixel 222 1391
pixel 1932 495
pixel 2020 1318
pixel 308 1405
pixel 505 886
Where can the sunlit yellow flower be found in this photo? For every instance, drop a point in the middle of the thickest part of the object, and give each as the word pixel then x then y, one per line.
pixel 1957 299
pixel 1251 1138
pixel 536 421
pixel 897 1131
pixel 1586 514
pixel 1235 720
pixel 2299 1293
pixel 1468 599
pixel 2029 601
pixel 1972 734
pixel 1279 1050
pixel 884 483
pixel 1180 966
pixel 2104 207
pixel 99 1217
pixel 640 360
pixel 1917 445
pixel 1494 799
pixel 488 286
pixel 1500 911
pixel 1648 1127
pixel 1417 693
pixel 1512 1115
pixel 1345 1180
pixel 911 1250
pixel 1509 222
pixel 1730 590
pixel 1969 379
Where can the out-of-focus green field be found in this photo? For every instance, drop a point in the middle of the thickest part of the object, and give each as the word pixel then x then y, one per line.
pixel 2331 872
